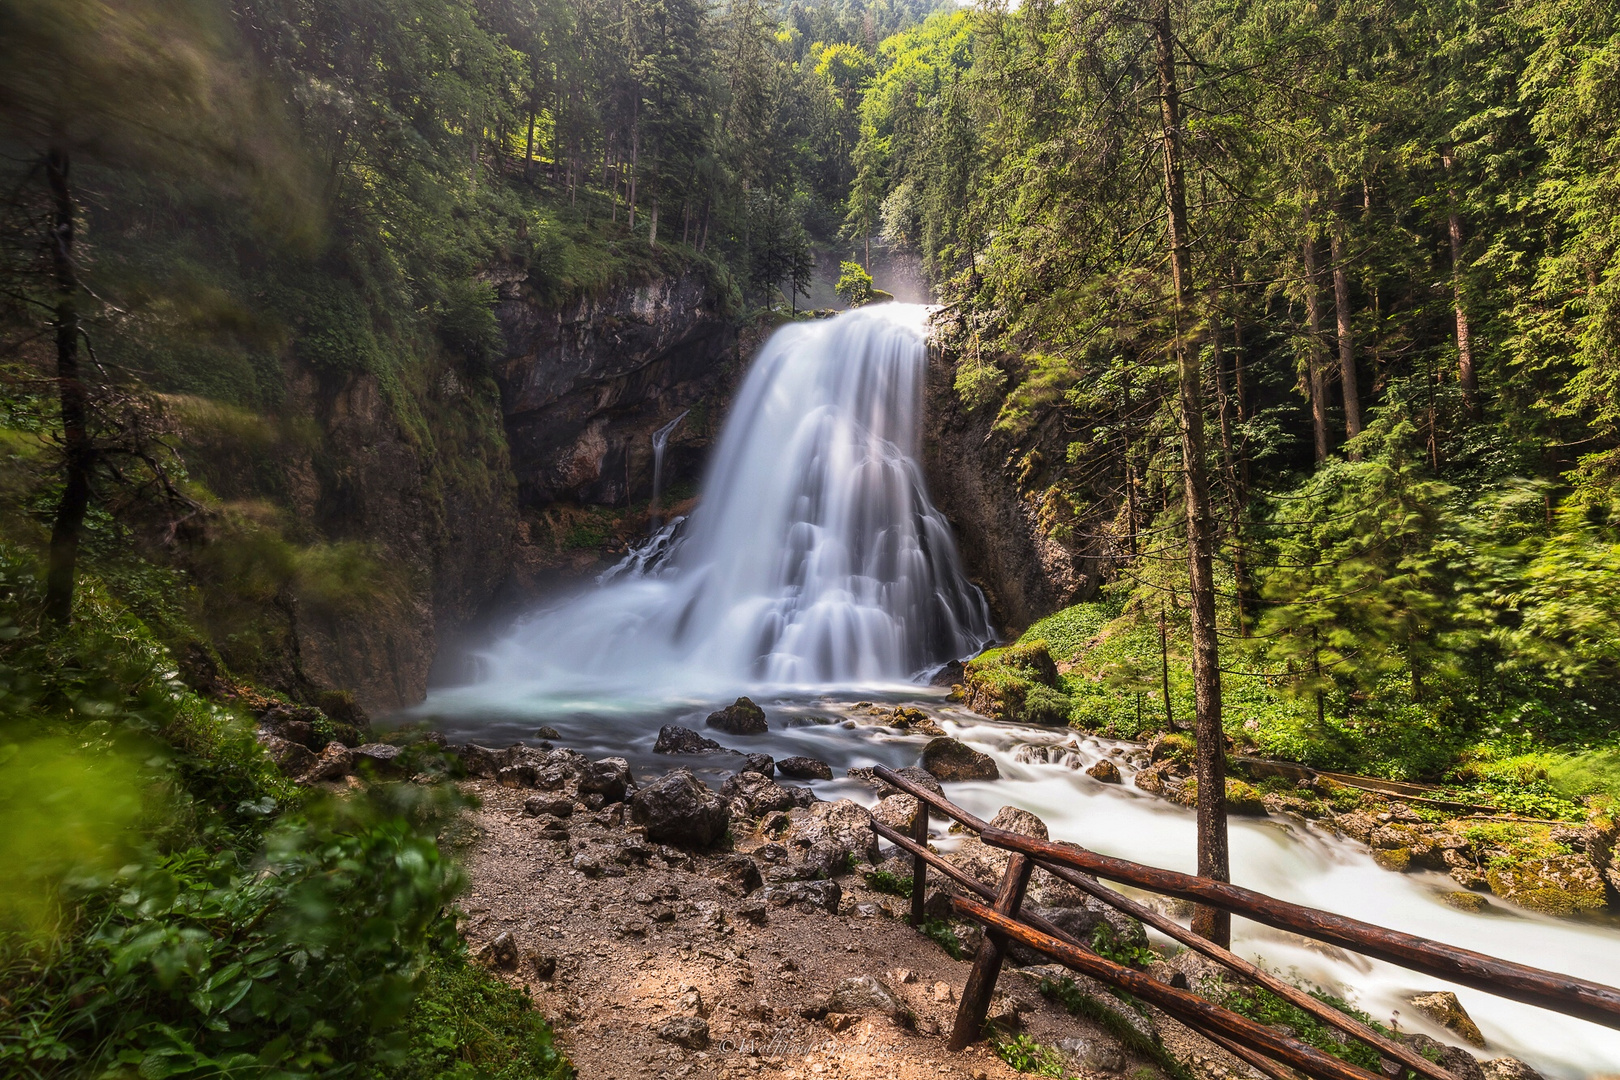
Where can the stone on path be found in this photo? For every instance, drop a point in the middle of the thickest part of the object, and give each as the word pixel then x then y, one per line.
pixel 679 809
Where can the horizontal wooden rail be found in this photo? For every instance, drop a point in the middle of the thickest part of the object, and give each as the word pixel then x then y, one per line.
pixel 905 843
pixel 1176 932
pixel 1504 978
pixel 1178 1003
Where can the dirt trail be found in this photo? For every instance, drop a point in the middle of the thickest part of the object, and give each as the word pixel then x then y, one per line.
pixel 646 944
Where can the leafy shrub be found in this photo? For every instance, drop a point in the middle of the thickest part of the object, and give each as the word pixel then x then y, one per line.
pixel 1026 1055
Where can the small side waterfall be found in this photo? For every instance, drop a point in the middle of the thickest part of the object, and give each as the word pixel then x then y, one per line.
pixel 660 441
pixel 815 557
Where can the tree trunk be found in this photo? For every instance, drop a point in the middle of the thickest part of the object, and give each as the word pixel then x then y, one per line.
pixel 64 555
pixel 1465 342
pixel 1210 767
pixel 1347 347
pixel 652 223
pixel 528 149
pixel 1315 362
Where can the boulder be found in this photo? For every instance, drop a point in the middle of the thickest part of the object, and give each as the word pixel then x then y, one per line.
pixel 898 812
pixel 1454 1059
pixel 1443 1008
pixel 609 777
pixel 1093 1054
pixel 673 739
pixel 1554 885
pixel 865 995
pixel 951 760
pixel 692 1032
pixel 804 768
pixel 739 871
pixel 808 896
pixel 1105 771
pixel 1506 1068
pixel 680 809
pixel 758 793
pixel 382 758
pixel 844 822
pixel 741 717
pixel 293 759
pixel 987 863
pixel 549 805
pixel 335 761
pixel 760 763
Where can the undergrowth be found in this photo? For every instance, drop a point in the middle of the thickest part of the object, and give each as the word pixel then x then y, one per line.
pixel 174 907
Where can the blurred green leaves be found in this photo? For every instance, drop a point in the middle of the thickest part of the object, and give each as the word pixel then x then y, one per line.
pixel 68 810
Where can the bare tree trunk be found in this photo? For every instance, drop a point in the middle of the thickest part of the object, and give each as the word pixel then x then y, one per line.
pixel 1316 361
pixel 652 223
pixel 1210 766
pixel 64 555
pixel 1347 346
pixel 1465 342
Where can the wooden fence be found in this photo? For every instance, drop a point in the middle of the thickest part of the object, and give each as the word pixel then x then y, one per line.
pixel 1274 1054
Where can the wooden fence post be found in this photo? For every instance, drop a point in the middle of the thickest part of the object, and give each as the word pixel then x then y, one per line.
pixel 919 867
pixel 987 964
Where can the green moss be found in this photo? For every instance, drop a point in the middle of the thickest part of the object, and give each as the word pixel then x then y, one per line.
pixel 1267 1008
pixel 945 937
pixel 1026 1055
pixel 1109 1014
pixel 893 884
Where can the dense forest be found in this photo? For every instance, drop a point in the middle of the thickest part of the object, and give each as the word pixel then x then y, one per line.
pixel 1395 280
pixel 1298 323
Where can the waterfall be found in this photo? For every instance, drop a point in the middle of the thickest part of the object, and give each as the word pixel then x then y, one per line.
pixel 660 440
pixel 815 557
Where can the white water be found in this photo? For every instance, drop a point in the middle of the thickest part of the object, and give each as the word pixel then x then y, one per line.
pixel 815 557
pixel 660 440
pixel 815 562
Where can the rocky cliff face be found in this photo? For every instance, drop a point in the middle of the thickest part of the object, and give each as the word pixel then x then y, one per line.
pixel 1020 540
pixel 584 387
pixel 432 477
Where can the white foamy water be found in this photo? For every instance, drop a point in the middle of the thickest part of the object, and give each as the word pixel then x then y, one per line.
pixel 815 557
pixel 815 571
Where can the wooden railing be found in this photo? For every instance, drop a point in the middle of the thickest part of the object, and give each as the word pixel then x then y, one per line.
pixel 1263 1047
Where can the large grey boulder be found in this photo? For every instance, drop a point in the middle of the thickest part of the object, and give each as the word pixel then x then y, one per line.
pixel 844 822
pixel 808 896
pixel 674 739
pixel 804 768
pixel 741 717
pixel 680 809
pixel 761 794
pixel 951 760
pixel 609 777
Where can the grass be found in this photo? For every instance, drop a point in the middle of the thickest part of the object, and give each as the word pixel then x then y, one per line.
pixel 1267 1008
pixel 1108 1015
pixel 892 884
pixel 945 937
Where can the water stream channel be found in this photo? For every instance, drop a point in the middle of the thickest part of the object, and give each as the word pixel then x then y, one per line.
pixel 816 572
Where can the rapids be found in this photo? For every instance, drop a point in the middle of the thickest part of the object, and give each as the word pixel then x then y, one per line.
pixel 815 571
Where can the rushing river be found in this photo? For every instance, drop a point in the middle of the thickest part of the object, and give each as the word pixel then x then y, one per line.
pixel 816 571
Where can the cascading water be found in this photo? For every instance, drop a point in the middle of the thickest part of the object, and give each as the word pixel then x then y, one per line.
pixel 660 442
pixel 815 557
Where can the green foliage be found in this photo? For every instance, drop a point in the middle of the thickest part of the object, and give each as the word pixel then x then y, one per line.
pixel 945 937
pixel 854 284
pixel 1107 943
pixel 893 884
pixel 1026 1055
pixel 1107 1014
pixel 1267 1008
pixel 466 1024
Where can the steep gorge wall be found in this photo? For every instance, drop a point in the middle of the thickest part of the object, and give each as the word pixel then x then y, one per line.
pixel 434 477
pixel 1019 539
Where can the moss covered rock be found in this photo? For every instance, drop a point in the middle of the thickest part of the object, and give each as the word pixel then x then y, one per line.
pixel 1559 885
pixel 1017 683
